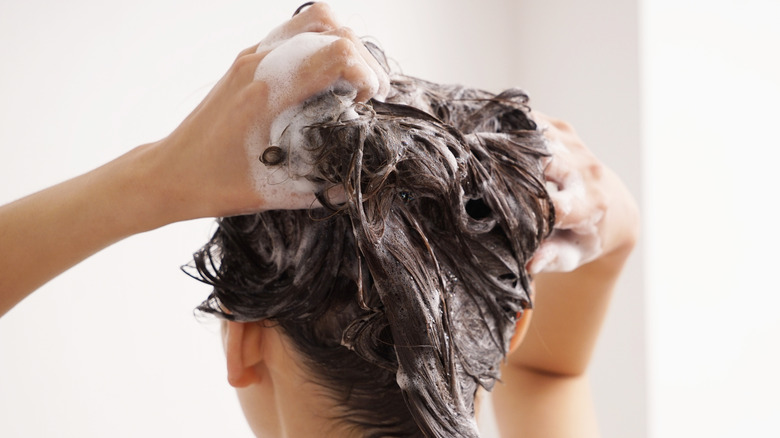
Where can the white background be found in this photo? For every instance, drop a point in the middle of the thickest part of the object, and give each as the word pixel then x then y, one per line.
pixel 710 96
pixel 679 97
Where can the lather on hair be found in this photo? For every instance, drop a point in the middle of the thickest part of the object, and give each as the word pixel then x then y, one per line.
pixel 402 300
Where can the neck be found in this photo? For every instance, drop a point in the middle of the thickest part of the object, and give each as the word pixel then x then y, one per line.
pixel 286 403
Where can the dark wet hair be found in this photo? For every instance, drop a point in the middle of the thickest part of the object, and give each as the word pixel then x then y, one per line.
pixel 402 300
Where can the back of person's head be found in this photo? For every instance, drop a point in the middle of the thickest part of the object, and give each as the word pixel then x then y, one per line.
pixel 401 300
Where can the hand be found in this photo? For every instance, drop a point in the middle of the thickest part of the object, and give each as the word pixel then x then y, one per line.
pixel 594 213
pixel 545 390
pixel 203 169
pixel 211 163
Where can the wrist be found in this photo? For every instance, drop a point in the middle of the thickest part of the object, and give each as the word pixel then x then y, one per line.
pixel 176 182
pixel 622 219
pixel 144 194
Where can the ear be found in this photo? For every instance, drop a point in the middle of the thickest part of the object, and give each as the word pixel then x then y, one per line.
pixel 244 352
pixel 520 329
pixel 523 321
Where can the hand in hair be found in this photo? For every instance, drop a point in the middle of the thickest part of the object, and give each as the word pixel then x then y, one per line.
pixel 202 169
pixel 545 391
pixel 594 214
pixel 217 158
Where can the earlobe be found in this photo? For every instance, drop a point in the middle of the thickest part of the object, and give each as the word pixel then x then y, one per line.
pixel 243 350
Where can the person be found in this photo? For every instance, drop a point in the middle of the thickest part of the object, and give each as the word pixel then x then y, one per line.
pixel 202 170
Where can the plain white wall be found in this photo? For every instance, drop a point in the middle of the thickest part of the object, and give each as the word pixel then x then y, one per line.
pixel 711 87
pixel 111 347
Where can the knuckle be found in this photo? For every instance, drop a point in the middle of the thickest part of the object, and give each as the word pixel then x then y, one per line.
pixel 357 73
pixel 341 47
pixel 247 51
pixel 241 62
pixel 345 32
pixel 319 10
pixel 244 63
pixel 595 170
pixel 561 125
pixel 319 17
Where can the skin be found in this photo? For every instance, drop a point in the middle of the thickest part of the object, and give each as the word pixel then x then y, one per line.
pixel 544 390
pixel 202 170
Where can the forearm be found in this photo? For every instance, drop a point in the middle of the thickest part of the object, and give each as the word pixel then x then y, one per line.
pixel 544 384
pixel 544 390
pixel 48 232
pixel 531 404
pixel 569 307
pixel 207 167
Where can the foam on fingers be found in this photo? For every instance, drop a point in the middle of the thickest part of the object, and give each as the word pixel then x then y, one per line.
pixel 296 71
pixel 280 68
pixel 317 17
pixel 576 238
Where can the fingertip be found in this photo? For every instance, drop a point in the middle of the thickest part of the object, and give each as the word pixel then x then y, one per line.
pixel 302 7
pixel 347 63
pixel 562 203
pixel 384 87
pixel 314 17
pixel 341 48
pixel 542 258
pixel 320 10
pixel 364 79
pixel 537 267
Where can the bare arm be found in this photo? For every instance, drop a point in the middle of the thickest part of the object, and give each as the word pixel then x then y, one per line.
pixel 545 391
pixel 202 169
pixel 48 232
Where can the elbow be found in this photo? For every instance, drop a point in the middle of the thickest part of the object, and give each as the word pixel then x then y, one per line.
pixel 568 370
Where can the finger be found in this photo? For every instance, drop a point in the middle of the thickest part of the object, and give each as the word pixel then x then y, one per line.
pixel 565 186
pixel 368 83
pixel 562 252
pixel 382 78
pixel 248 51
pixel 558 166
pixel 574 209
pixel 245 66
pixel 337 61
pixel 302 7
pixel 570 185
pixel 554 256
pixel 551 124
pixel 287 195
pixel 317 17
pixel 334 196
pixel 358 71
pixel 364 79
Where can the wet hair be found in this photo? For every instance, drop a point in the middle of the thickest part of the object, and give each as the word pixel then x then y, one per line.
pixel 401 300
